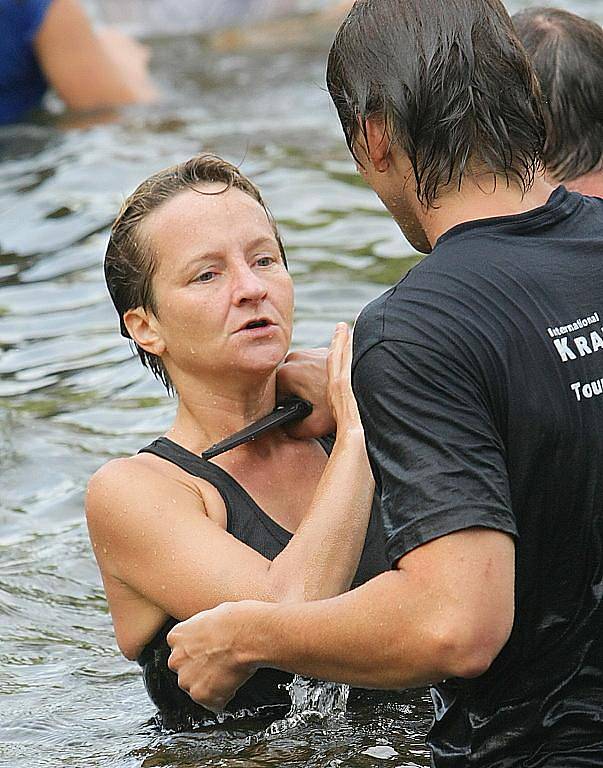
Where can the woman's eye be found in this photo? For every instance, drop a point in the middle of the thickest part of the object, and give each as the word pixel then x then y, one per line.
pixel 265 261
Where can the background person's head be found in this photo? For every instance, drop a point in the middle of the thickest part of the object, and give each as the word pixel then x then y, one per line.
pixel 199 191
pixel 452 85
pixel 567 54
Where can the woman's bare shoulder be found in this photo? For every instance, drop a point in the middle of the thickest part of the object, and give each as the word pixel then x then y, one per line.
pixel 132 481
pixel 115 473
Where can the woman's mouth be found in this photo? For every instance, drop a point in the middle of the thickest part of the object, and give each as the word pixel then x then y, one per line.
pixel 258 327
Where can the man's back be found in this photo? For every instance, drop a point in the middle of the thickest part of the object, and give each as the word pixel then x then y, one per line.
pixel 488 361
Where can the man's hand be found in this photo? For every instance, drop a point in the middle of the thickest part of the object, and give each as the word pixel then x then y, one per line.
pixel 304 373
pixel 207 653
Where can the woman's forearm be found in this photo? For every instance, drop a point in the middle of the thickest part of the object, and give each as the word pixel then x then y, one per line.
pixel 91 69
pixel 321 559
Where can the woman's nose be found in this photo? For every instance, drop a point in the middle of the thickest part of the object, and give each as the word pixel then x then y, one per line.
pixel 247 286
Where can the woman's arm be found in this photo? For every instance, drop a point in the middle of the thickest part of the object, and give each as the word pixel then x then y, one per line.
pixel 328 543
pixel 88 69
pixel 157 551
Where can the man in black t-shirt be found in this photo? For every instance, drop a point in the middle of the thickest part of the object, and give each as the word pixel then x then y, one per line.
pixel 479 378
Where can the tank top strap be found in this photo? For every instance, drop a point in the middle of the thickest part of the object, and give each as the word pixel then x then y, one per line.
pixel 242 512
pixel 327 442
pixel 188 461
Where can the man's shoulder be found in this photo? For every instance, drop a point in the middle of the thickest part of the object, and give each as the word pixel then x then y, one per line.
pixel 380 320
pixel 482 273
pixel 425 295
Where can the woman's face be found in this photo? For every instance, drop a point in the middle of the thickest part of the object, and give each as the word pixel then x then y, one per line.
pixel 223 295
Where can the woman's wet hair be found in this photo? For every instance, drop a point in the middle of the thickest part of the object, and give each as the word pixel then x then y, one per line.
pixel 130 261
pixel 452 83
pixel 567 54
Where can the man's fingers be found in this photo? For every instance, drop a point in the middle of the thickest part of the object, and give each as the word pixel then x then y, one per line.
pixel 210 680
pixel 172 635
pixel 214 703
pixel 173 661
pixel 199 690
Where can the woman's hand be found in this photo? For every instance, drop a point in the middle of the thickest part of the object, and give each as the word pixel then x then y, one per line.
pixel 339 389
pixel 324 378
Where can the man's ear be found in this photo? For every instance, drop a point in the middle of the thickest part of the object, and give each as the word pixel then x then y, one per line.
pixel 144 330
pixel 379 143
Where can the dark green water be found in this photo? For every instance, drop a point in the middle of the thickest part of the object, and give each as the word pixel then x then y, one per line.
pixel 72 396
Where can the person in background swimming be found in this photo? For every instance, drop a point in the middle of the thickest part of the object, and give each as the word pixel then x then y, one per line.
pixel 197 273
pixel 567 54
pixel 52 44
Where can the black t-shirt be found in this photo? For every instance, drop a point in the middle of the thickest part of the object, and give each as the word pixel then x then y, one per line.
pixel 479 378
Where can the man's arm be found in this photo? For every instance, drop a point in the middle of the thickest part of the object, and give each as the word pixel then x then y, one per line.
pixel 446 611
pixel 304 373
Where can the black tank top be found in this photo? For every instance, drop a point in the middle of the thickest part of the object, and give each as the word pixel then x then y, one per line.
pixel 264 693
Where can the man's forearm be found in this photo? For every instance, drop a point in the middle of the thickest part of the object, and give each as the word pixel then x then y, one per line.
pixel 446 612
pixel 373 637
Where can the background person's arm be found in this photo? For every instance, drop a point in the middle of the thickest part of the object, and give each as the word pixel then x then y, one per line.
pixel 446 611
pixel 91 69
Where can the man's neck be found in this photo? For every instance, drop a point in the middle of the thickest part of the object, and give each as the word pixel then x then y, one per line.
pixel 590 184
pixel 481 201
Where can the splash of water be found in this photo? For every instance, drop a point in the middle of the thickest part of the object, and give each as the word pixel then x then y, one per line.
pixel 316 698
pixel 310 700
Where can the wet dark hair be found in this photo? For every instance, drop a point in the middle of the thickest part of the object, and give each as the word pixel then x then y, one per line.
pixel 451 81
pixel 567 54
pixel 129 260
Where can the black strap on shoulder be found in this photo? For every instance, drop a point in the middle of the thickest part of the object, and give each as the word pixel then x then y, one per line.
pixel 291 410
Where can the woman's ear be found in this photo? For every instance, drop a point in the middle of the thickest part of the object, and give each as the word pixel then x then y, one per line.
pixel 144 329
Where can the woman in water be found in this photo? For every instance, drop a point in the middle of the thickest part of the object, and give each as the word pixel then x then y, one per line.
pixel 198 275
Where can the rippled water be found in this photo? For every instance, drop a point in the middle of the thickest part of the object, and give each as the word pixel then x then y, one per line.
pixel 72 396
